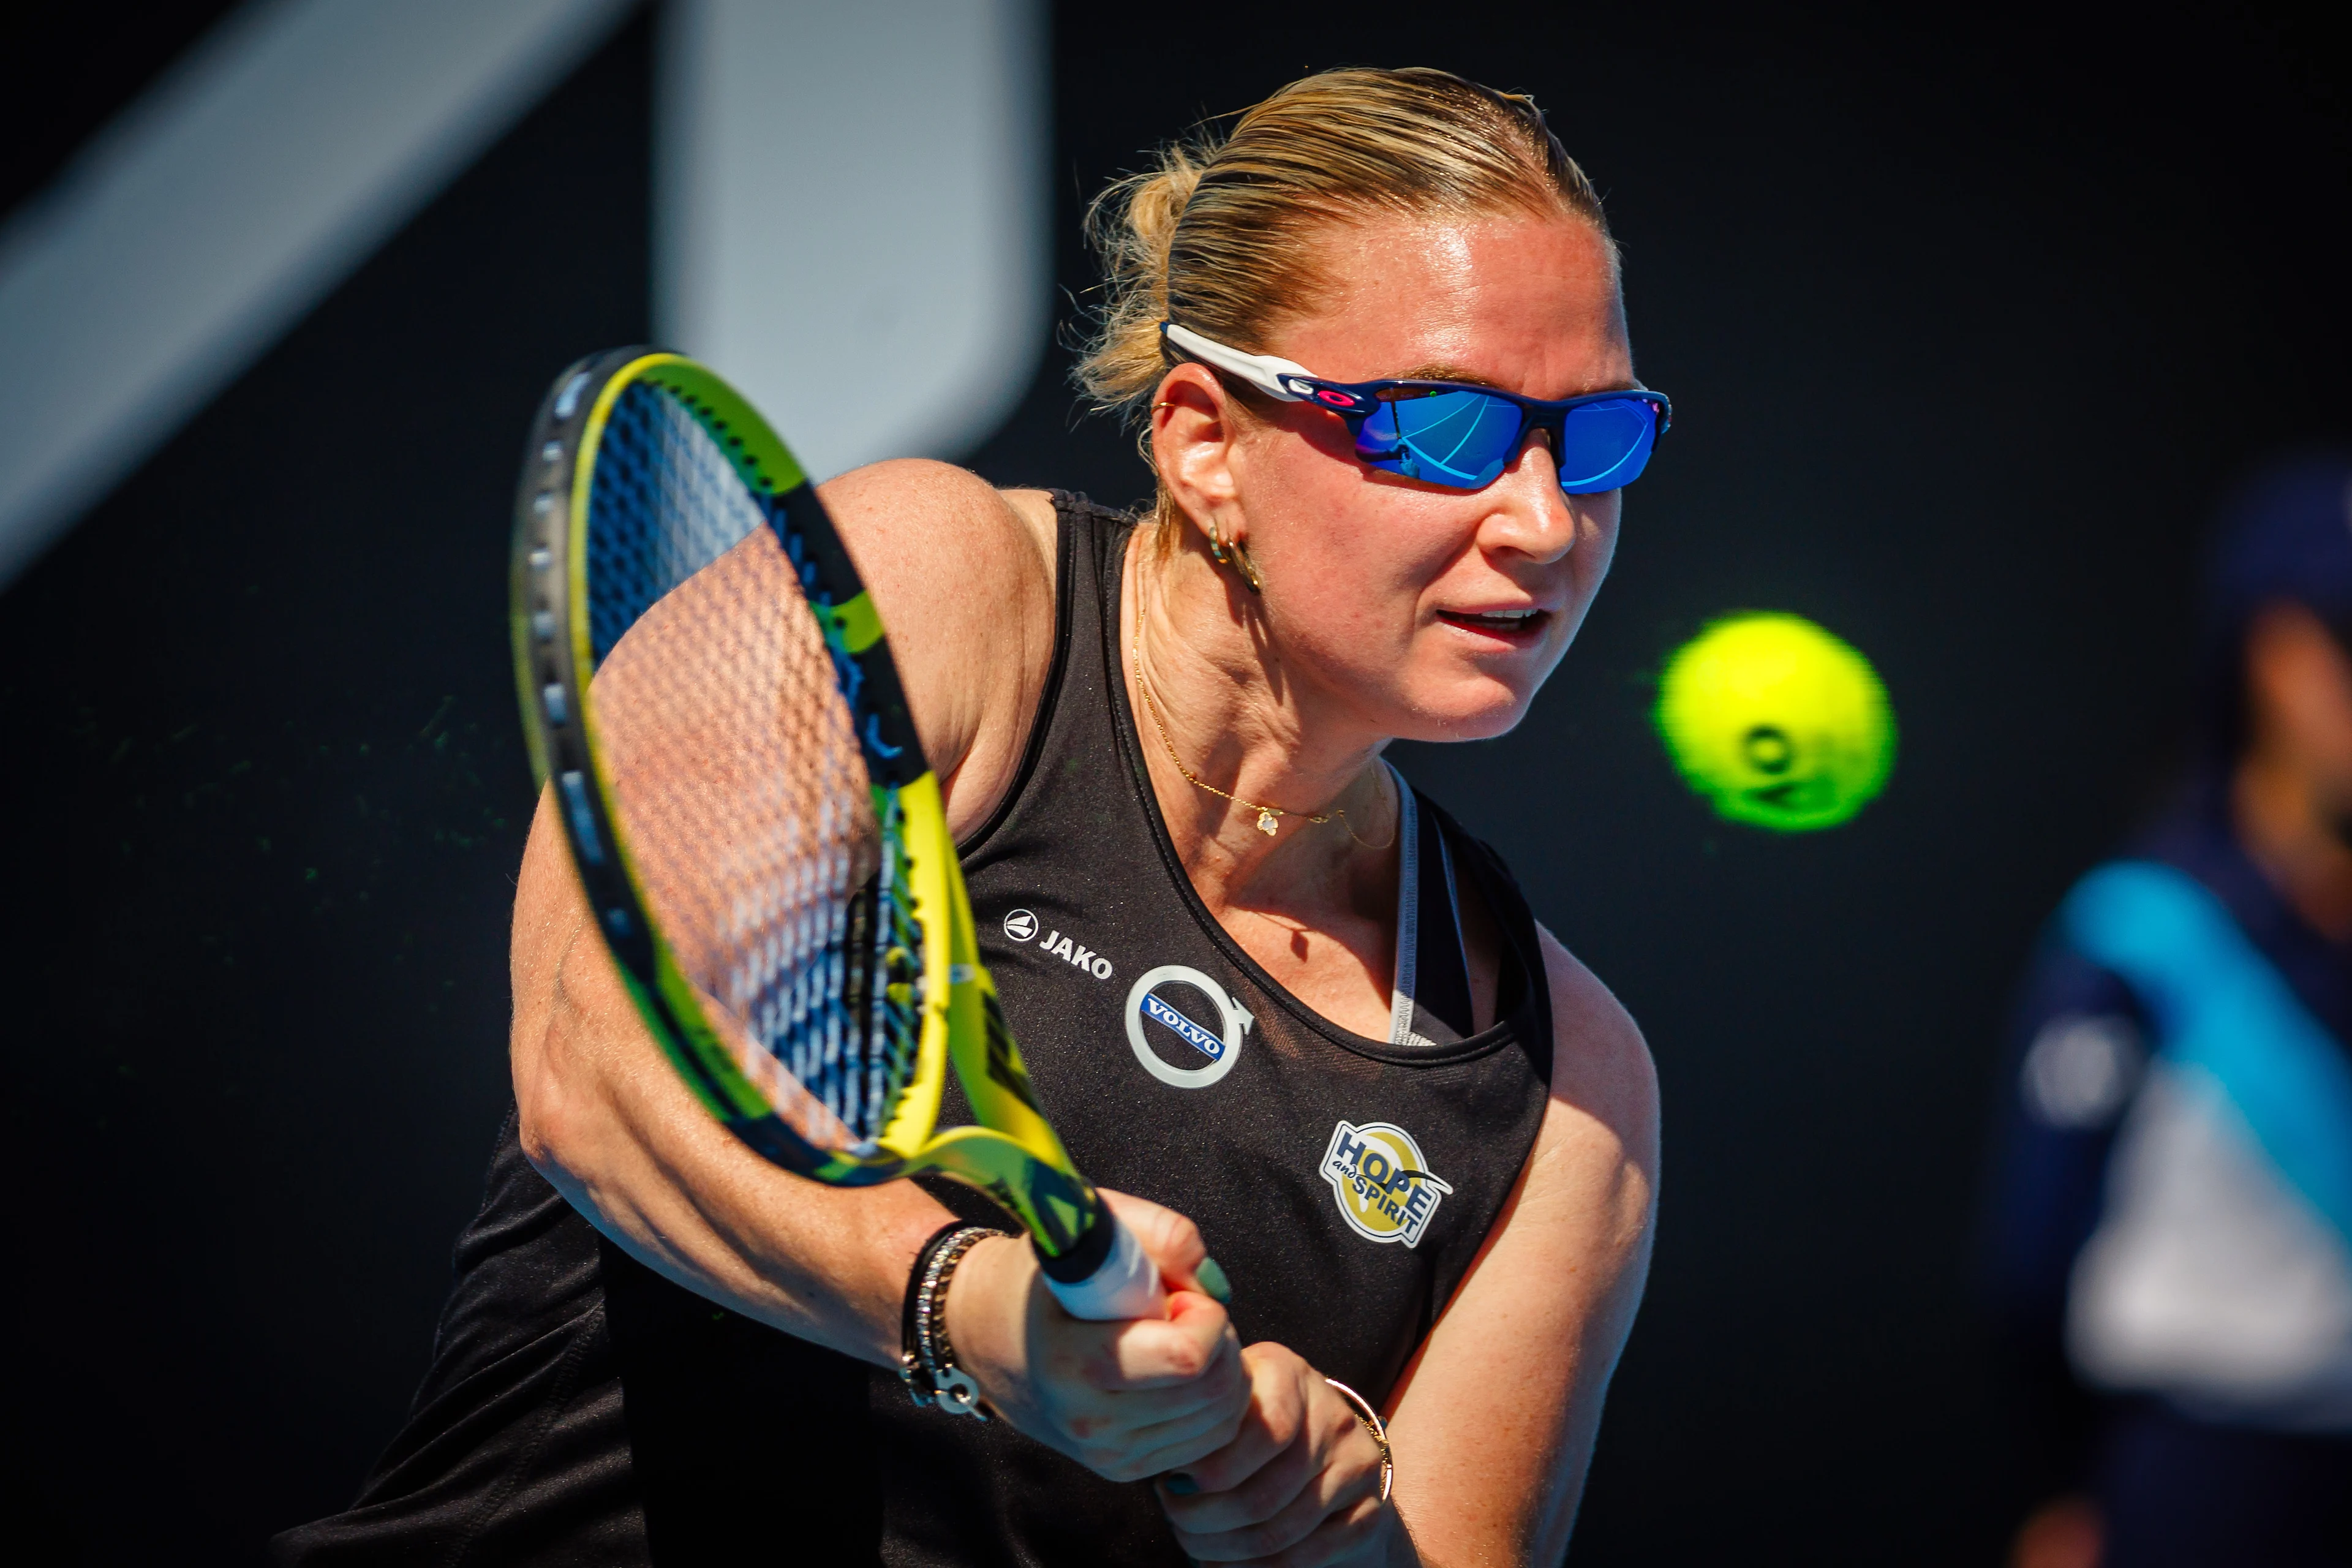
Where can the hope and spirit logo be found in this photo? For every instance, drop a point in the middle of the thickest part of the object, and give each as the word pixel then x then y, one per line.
pixel 1384 1190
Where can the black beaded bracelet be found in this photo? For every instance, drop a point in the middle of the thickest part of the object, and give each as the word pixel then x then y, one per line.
pixel 926 1360
pixel 923 1255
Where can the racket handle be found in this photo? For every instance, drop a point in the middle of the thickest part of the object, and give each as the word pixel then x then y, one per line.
pixel 1125 1284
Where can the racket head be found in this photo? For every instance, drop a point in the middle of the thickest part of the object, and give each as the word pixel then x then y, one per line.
pixel 707 691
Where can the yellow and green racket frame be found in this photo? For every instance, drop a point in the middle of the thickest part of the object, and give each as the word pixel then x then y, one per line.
pixel 1014 1155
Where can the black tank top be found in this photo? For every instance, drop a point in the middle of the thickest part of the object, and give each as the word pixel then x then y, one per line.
pixel 582 1409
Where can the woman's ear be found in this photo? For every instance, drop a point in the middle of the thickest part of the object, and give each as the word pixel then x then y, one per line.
pixel 1192 434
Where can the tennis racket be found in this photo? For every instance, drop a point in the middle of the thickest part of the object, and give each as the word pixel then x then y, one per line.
pixel 707 689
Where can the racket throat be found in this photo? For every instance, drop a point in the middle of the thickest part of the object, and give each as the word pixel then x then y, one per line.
pixel 1079 1261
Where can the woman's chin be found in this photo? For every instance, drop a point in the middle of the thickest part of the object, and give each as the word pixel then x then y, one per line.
pixel 1481 711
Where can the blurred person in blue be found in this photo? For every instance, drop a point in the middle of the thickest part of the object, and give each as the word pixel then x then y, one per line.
pixel 2171 1229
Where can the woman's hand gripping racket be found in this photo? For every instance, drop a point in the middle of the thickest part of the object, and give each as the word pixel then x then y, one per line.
pixel 707 687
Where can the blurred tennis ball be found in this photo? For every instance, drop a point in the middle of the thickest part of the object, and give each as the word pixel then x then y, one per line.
pixel 1776 721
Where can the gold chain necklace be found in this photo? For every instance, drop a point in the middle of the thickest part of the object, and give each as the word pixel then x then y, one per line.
pixel 1268 815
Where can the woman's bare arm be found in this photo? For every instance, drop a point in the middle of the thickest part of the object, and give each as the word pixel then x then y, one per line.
pixel 963 578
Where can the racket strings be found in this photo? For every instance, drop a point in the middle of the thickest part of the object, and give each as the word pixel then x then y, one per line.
pixel 897 1005
pixel 660 510
pixel 742 795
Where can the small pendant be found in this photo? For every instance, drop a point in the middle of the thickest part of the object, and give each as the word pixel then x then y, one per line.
pixel 1265 823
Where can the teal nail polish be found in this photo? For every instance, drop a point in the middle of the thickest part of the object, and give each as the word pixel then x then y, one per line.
pixel 1180 1484
pixel 1212 1280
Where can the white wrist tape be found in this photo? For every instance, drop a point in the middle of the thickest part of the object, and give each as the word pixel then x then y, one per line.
pixel 1126 1286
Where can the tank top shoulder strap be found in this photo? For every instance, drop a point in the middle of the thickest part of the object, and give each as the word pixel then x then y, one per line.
pixel 1524 992
pixel 1087 535
pixel 1430 989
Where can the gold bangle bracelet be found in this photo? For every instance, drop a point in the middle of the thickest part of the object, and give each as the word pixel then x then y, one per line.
pixel 1376 1426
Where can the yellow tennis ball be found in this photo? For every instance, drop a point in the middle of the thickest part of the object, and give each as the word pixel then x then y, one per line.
pixel 1776 721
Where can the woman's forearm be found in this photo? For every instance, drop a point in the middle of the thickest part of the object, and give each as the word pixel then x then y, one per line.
pixel 605 1119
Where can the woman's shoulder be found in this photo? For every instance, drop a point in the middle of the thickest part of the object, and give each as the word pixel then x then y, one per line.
pixel 918 526
pixel 1601 1068
pixel 962 575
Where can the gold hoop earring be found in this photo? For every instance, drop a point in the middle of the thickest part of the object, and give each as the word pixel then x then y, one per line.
pixel 1245 566
pixel 1236 555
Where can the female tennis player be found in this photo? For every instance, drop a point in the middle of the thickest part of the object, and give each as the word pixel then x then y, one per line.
pixel 1272 997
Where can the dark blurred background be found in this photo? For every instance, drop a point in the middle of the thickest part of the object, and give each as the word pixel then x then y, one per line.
pixel 1966 323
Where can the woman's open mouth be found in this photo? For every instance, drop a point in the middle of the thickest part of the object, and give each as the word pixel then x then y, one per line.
pixel 1518 628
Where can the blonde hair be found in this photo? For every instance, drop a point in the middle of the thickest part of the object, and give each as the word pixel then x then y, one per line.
pixel 1221 236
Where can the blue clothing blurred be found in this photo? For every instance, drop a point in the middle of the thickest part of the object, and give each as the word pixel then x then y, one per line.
pixel 2152 1245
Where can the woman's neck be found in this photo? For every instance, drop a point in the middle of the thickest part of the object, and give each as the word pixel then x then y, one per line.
pixel 1212 700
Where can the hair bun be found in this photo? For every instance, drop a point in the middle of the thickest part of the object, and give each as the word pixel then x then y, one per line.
pixel 1131 227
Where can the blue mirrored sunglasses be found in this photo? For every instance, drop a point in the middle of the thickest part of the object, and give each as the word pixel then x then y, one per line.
pixel 1452 433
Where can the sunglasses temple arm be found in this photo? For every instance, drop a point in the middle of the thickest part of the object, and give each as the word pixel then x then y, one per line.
pixel 1264 372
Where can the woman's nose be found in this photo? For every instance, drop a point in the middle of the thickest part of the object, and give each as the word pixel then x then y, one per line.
pixel 1532 510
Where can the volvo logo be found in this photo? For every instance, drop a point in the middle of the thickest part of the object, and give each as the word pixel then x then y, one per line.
pixel 1155 1007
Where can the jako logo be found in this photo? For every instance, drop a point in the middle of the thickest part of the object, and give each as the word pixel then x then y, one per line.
pixel 1383 1190
pixel 1158 1000
pixel 1063 948
pixel 1021 924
